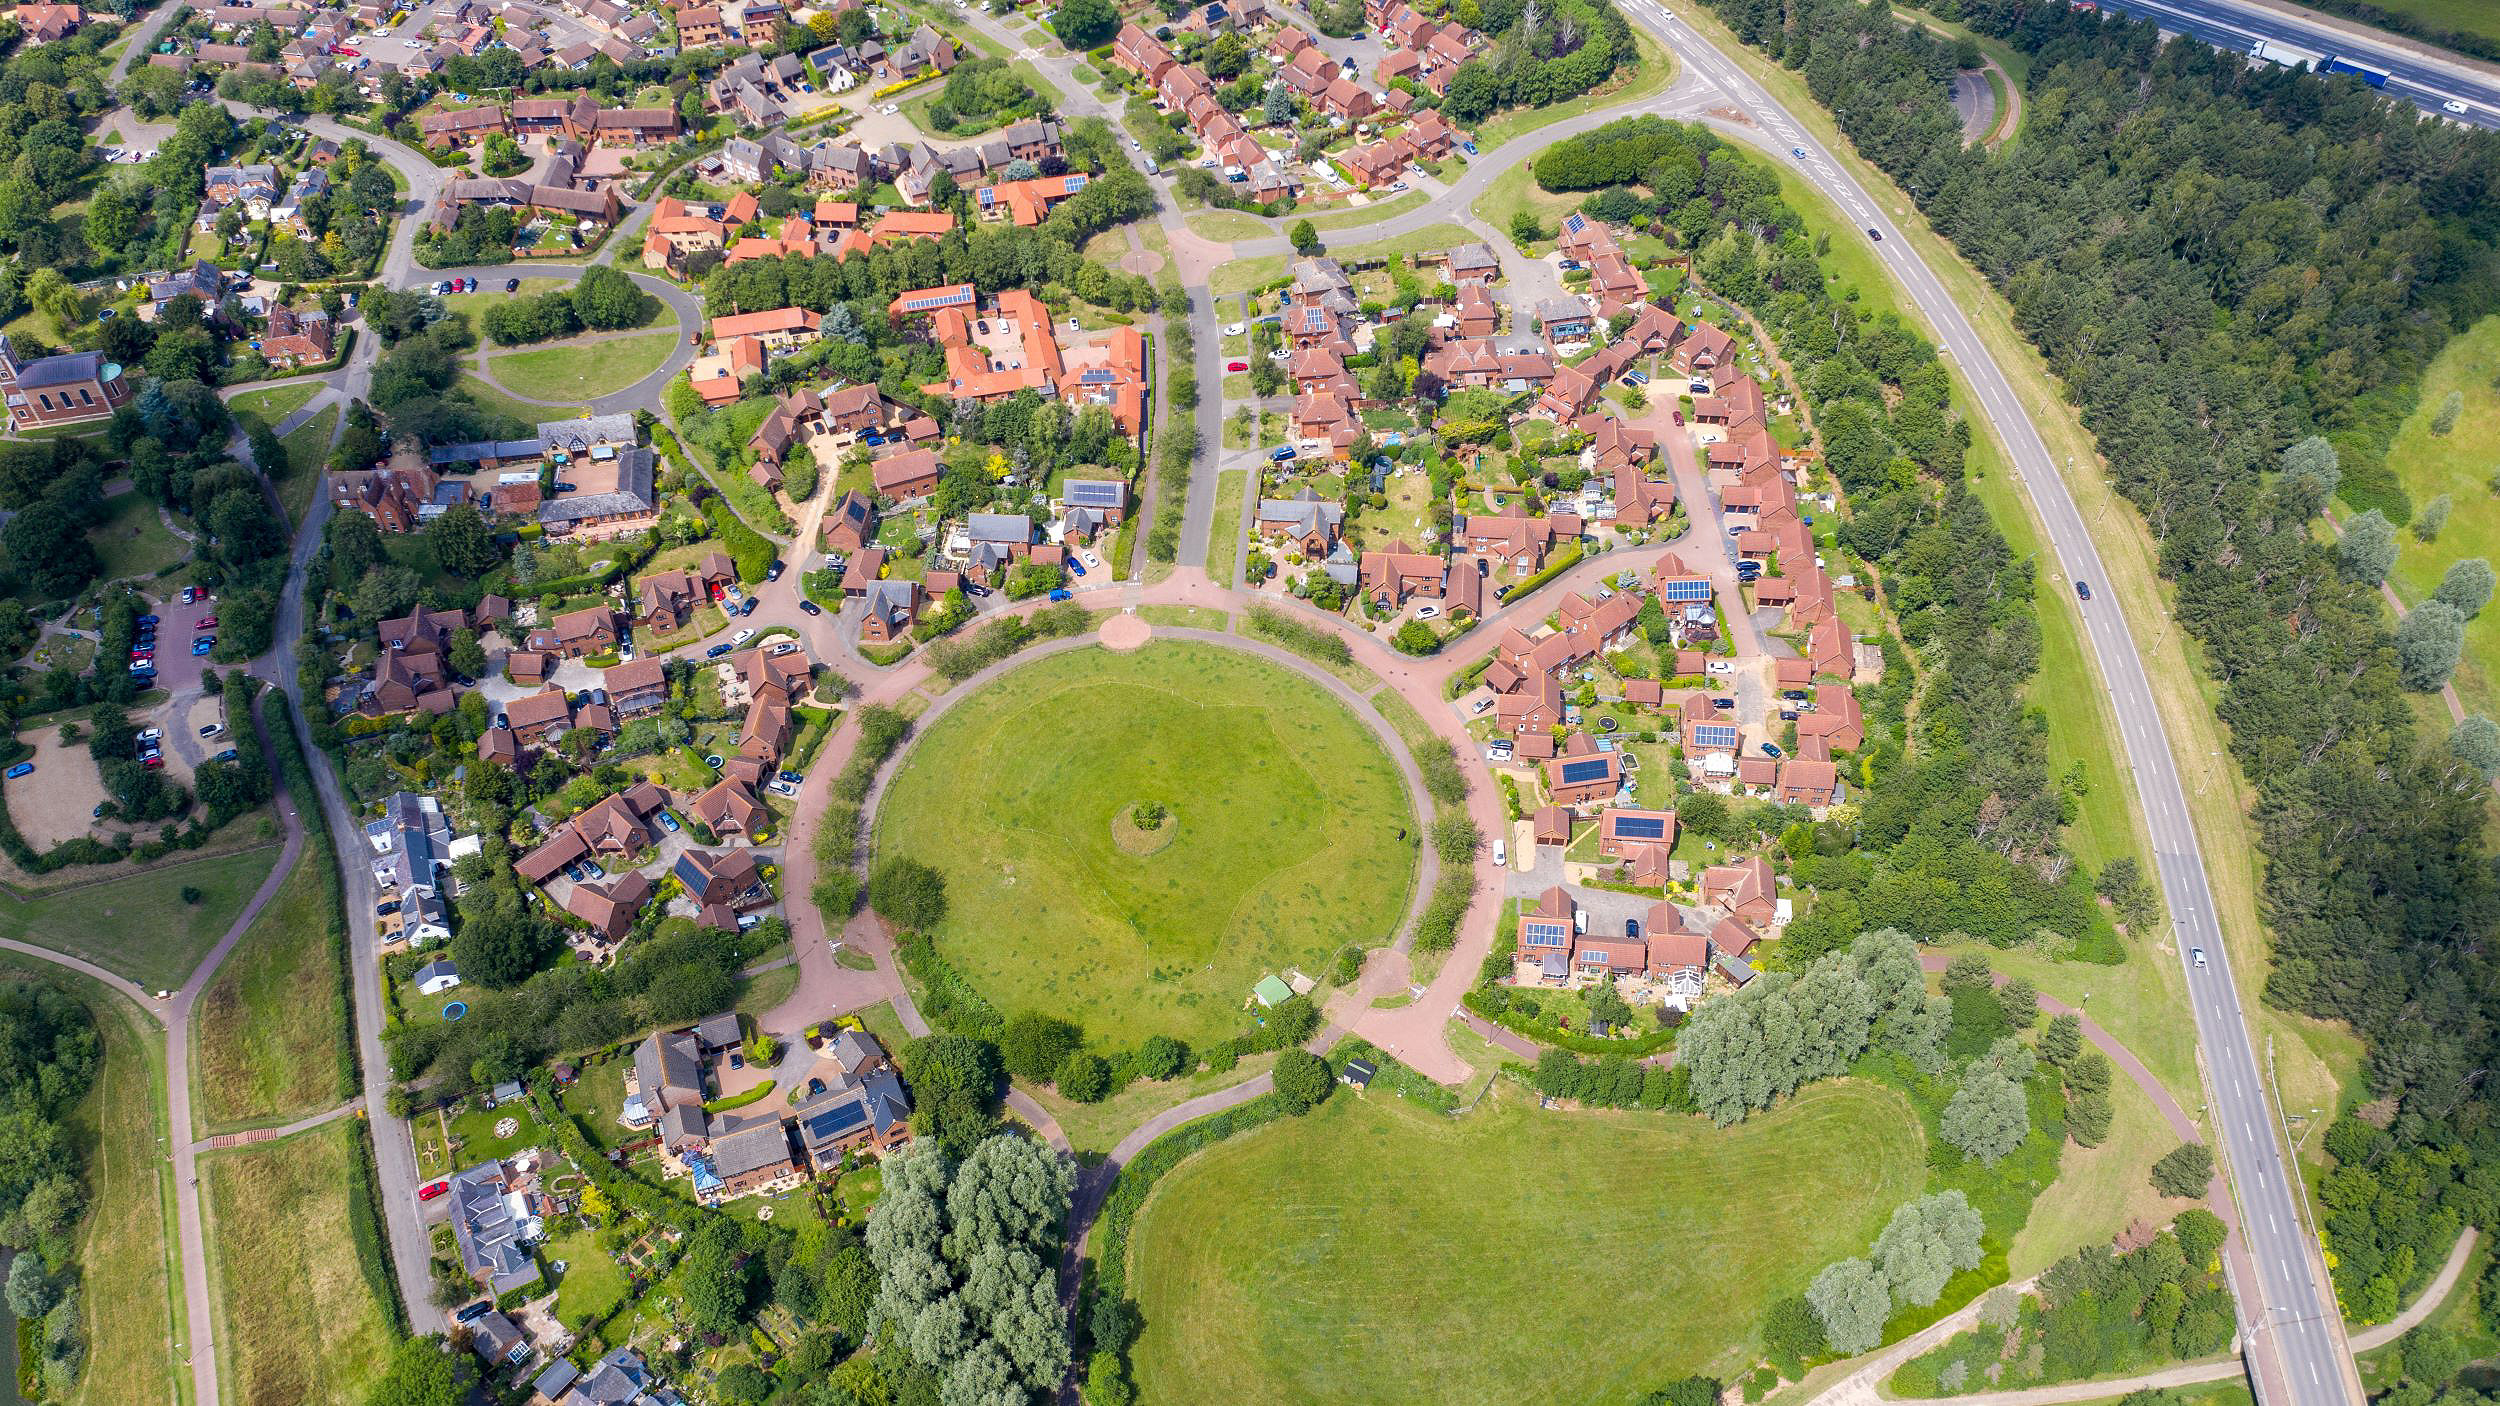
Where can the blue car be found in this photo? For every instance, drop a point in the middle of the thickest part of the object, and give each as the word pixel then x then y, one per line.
pixel 872 437
pixel 668 822
pixel 203 644
pixel 1283 454
pixel 1063 593
pixel 1076 566
pixel 1772 749
pixel 149 620
pixel 21 769
pixel 1467 147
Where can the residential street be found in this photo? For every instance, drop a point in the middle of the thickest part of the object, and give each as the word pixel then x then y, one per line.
pixel 2288 1311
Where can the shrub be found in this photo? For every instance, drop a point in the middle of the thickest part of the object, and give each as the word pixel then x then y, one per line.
pixel 1303 1080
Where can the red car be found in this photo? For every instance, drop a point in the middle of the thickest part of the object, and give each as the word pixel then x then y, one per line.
pixel 154 763
pixel 206 622
pixel 432 1189
pixel 1236 366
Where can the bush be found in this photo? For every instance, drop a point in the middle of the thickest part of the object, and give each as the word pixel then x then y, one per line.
pixel 1085 1077
pixel 1036 1046
pixel 2185 1172
pixel 907 893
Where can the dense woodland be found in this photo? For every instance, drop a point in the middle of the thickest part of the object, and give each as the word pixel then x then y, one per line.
pixel 49 1056
pixel 2219 261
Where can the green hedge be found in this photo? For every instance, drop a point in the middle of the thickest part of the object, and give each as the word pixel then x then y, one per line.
pixel 1547 1033
pixel 364 1225
pixel 1563 561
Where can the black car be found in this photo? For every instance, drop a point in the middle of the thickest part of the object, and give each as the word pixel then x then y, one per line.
pixel 512 285
pixel 810 606
pixel 716 651
pixel 773 572
pixel 747 606
pixel 975 588
pixel 1632 929
pixel 475 1311
pixel 2084 589
pixel 1875 234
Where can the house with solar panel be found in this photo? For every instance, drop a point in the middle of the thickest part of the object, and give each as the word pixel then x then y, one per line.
pixel 1584 774
pixel 1090 507
pixel 1545 937
pixel 1641 839
pixel 1712 743
pixel 871 1111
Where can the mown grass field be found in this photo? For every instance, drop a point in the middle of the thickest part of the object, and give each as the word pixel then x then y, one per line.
pixel 267 1031
pixel 1292 835
pixel 306 450
pixel 583 371
pixel 1375 1252
pixel 131 540
pixel 125 1270
pixel 297 1323
pixel 273 405
pixel 2461 464
pixel 139 926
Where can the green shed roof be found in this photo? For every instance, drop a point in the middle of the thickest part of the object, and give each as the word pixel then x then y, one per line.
pixel 1272 991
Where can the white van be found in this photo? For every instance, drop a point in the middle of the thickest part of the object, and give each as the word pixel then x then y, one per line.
pixel 1501 854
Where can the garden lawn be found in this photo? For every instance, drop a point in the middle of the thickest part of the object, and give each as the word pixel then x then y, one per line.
pixel 582 371
pixel 271 1034
pixel 298 1324
pixel 2460 464
pixel 593 1283
pixel 139 926
pixel 131 540
pixel 1376 1251
pixel 272 406
pixel 1288 844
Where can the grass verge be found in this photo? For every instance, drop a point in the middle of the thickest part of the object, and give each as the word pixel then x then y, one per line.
pixel 267 1038
pixel 298 1321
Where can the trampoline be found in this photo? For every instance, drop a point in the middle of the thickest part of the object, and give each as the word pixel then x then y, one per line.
pixel 453 1010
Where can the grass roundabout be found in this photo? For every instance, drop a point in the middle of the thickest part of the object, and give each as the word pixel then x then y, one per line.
pixel 1375 1251
pixel 1282 839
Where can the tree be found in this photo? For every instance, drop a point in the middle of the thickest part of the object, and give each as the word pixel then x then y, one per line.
pixel 955 1086
pixel 2476 742
pixel 1035 1046
pixel 1162 1057
pixel 1852 1301
pixel 31 1292
pixel 2062 1040
pixel 2433 517
pixel 2368 547
pixel 1792 1333
pixel 2467 585
pixel 2428 642
pixel 1277 109
pixel 1687 1391
pixel 1305 237
pixel 1988 1116
pixel 909 894
pixel 2184 1171
pixel 712 1278
pixel 1084 24
pixel 1085 1077
pixel 1524 229
pixel 966 1257
pixel 422 1372
pixel 2312 466
pixel 1925 1242
pixel 462 541
pixel 2200 1234
pixel 1303 1080
pixel 2021 1002
pixel 2445 419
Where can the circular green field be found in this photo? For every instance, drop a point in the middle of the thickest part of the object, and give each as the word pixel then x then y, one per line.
pixel 1289 835
pixel 1373 1251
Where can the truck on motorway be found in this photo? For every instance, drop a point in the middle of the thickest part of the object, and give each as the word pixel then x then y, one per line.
pixel 2375 77
pixel 2289 56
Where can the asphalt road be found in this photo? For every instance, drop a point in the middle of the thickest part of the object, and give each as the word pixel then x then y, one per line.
pixel 2415 73
pixel 2286 1303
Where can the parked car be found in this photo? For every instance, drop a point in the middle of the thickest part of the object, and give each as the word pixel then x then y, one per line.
pixel 205 622
pixel 792 777
pixel 741 637
pixel 975 588
pixel 784 647
pixel 1632 928
pixel 147 620
pixel 1282 454
pixel 1062 593
pixel 386 907
pixel 203 645
pixel 1236 366
pixel 153 763
pixel 151 734
pixel 512 285
pixel 716 651
pixel 1772 749
pixel 428 1192
pixel 1076 566
pixel 747 606
pixel 1232 329
pixel 668 822
pixel 773 572
pixel 224 756
pixel 1467 147
pixel 21 769
pixel 810 606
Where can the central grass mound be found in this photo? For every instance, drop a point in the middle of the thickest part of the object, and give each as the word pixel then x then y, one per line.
pixel 1374 1252
pixel 1284 836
